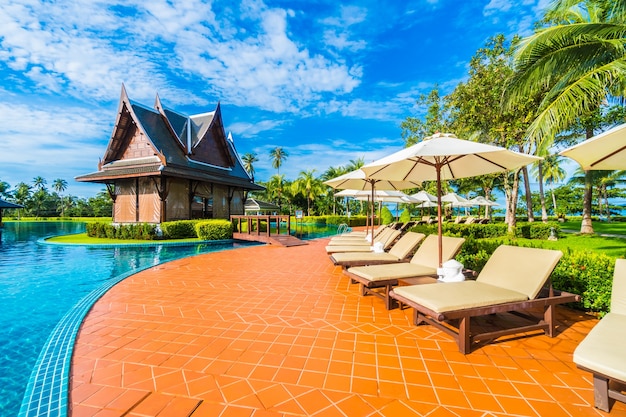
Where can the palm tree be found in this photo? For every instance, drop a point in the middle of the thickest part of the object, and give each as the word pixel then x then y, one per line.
pixel 579 62
pixel 308 185
pixel 275 187
pixel 355 164
pixel 4 189
pixel 278 155
pixel 39 183
pixel 248 160
pixel 553 173
pixel 59 185
pixel 329 174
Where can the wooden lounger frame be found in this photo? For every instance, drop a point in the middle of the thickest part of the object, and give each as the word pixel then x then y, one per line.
pixel 603 394
pixel 458 323
pixel 382 288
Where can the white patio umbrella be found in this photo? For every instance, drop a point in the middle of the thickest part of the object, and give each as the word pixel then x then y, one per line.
pixel 606 151
pixel 444 157
pixel 387 196
pixel 482 201
pixel 358 180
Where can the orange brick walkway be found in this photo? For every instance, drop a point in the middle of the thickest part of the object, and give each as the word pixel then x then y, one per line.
pixel 268 331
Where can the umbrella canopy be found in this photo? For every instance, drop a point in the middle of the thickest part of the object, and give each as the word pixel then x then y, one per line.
pixel 391 196
pixel 455 199
pixel 444 156
pixel 359 180
pixel 424 196
pixel 481 201
pixel 606 151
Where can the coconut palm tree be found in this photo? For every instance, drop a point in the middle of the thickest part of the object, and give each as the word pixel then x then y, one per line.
pixel 278 155
pixel 553 173
pixel 248 160
pixel 308 185
pixel 579 60
pixel 39 183
pixel 59 185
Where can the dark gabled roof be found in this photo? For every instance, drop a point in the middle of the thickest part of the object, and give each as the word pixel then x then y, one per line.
pixel 254 204
pixel 7 205
pixel 212 156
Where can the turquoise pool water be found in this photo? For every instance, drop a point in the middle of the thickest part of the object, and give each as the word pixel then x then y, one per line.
pixel 41 283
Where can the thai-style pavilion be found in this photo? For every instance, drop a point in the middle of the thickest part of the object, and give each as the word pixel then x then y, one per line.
pixel 161 165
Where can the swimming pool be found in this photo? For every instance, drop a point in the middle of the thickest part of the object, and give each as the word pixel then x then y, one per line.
pixel 40 283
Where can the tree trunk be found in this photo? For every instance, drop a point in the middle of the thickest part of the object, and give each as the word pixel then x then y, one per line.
pixel 586 226
pixel 529 200
pixel 553 201
pixel 511 192
pixel 542 196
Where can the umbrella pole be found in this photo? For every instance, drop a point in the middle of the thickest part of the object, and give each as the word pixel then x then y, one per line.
pixel 439 227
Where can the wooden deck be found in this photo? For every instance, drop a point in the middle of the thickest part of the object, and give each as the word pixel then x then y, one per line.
pixel 259 229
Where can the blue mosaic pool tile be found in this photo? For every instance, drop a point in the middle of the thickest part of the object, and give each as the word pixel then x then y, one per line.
pixel 47 390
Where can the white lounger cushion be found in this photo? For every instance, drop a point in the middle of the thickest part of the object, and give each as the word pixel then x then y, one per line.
pixel 603 348
pixel 453 296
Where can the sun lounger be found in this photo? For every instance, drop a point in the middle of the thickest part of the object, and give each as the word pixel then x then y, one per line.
pixel 399 251
pixel 512 280
pixel 386 238
pixel 602 351
pixel 360 233
pixel 359 239
pixel 378 280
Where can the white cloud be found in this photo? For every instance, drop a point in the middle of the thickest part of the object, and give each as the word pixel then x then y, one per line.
pixel 63 142
pixel 497 6
pixel 247 130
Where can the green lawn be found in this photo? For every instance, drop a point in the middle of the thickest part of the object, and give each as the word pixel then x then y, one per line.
pixel 82 238
pixel 617 228
pixel 611 246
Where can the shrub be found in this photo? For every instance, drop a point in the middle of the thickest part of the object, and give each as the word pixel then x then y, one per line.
pixel 216 229
pixel 180 229
pixel 315 219
pixel 385 215
pixel 536 230
pixel 589 274
pixel 139 231
pixel 405 216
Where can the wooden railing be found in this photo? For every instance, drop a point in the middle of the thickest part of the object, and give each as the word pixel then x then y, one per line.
pixel 254 227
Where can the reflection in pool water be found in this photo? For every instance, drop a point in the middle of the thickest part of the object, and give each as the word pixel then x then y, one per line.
pixel 39 283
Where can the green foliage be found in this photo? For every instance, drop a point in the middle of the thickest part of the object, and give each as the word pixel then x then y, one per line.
pixel 405 216
pixel 139 231
pixel 180 229
pixel 589 274
pixel 314 219
pixel 385 215
pixel 473 231
pixel 215 229
pixel 536 230
pixel 337 220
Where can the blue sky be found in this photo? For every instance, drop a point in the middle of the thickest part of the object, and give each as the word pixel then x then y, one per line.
pixel 328 81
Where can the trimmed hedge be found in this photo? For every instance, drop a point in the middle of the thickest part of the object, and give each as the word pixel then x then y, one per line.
pixel 536 230
pixel 216 229
pixel 180 229
pixel 139 231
